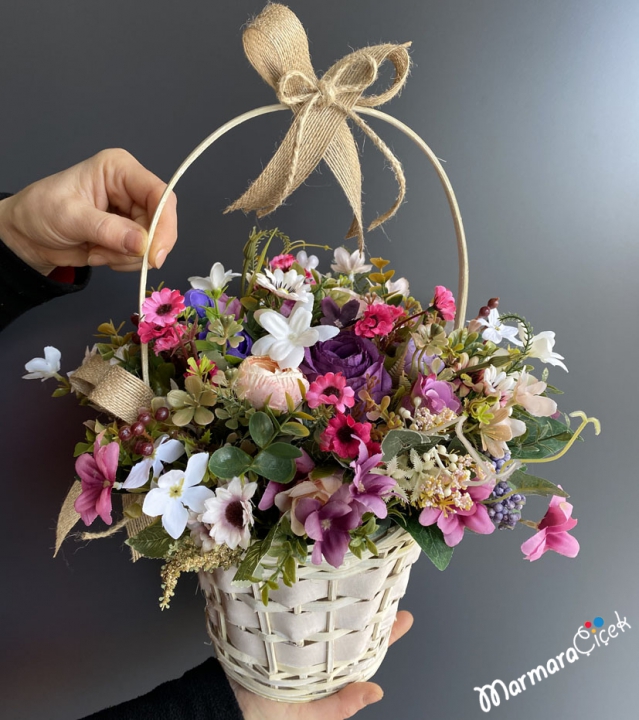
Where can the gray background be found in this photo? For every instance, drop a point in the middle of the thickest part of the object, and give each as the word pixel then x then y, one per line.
pixel 534 108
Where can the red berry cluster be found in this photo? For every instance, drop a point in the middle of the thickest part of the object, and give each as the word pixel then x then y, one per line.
pixel 137 430
pixel 484 311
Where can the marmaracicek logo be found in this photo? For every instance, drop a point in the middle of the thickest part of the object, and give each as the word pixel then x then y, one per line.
pixel 592 630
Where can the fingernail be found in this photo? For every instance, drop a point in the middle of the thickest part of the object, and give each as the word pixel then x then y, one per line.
pixel 160 257
pixel 96 259
pixel 134 242
pixel 373 697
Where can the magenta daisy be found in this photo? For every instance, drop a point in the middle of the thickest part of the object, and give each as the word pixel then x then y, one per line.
pixel 163 307
pixel 330 389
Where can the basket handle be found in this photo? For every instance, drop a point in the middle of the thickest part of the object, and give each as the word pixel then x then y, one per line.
pixel 462 250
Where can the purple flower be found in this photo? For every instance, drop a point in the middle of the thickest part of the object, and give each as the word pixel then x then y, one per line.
pixel 357 358
pixel 368 488
pixel 435 395
pixel 422 364
pixel 244 348
pixel 330 524
pixel 341 317
pixel 234 307
pixel 199 300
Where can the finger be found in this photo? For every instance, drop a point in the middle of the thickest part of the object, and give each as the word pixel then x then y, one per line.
pixel 100 257
pixel 346 703
pixel 403 623
pixel 112 232
pixel 165 234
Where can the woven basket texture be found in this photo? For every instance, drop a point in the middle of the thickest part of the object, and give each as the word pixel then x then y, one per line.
pixel 329 629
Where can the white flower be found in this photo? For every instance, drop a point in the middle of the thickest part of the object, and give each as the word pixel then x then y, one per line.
pixel 230 514
pixel 308 262
pixel 542 347
pixel 349 263
pixel 178 490
pixel 218 279
pixel 44 368
pixel 289 285
pixel 496 331
pixel 165 451
pixel 527 394
pixel 497 382
pixel 289 336
pixel 398 286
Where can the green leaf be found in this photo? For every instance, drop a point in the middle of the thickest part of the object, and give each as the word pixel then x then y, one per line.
pixel 284 450
pixel 430 539
pixel 261 428
pixel 60 392
pixel 274 468
pixel 531 485
pixel 544 437
pixel 252 557
pixel 152 542
pixel 229 462
pixel 290 569
pixel 296 429
pixel 265 590
pixel 81 448
pixel 396 441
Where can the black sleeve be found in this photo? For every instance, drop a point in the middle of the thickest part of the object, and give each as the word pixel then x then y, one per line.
pixel 203 693
pixel 23 288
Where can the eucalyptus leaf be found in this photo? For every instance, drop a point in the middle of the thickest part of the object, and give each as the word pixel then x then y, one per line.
pixel 296 429
pixel 261 429
pixel 229 462
pixel 284 450
pixel 272 467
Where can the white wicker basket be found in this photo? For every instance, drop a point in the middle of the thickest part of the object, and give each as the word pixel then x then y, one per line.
pixel 329 629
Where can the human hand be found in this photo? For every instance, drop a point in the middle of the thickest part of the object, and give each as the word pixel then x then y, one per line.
pixel 95 213
pixel 341 705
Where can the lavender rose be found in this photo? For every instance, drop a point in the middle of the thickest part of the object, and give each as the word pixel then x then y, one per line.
pixel 435 395
pixel 357 358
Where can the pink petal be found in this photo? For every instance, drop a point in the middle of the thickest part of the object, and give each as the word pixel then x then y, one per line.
pixel 479 522
pixel 103 505
pixel 453 529
pixel 563 543
pixel 480 492
pixel 535 546
pixel 313 526
pixel 428 516
pixel 87 470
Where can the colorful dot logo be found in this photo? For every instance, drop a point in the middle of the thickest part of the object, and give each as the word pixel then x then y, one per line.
pixel 598 622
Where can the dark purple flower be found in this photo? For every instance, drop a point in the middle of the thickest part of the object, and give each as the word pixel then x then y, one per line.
pixel 369 488
pixel 199 300
pixel 434 395
pixel 244 348
pixel 357 358
pixel 330 524
pixel 341 317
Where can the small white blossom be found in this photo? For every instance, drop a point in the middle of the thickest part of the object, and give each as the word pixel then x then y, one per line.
pixel 497 382
pixel 349 263
pixel 496 331
pixel 218 279
pixel 542 347
pixel 289 336
pixel 46 367
pixel 165 450
pixel 399 286
pixel 308 262
pixel 289 285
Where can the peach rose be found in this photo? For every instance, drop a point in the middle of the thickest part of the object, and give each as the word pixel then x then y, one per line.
pixel 259 377
pixel 320 489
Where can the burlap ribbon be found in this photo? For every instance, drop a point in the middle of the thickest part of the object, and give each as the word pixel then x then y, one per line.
pixel 277 47
pixel 112 388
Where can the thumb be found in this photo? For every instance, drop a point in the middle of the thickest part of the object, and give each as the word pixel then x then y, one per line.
pixel 346 702
pixel 112 232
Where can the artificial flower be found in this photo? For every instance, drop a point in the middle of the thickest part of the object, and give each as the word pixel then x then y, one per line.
pixel 553 532
pixel 495 382
pixel 370 488
pixel 230 513
pixel 341 317
pixel 397 287
pixel 330 524
pixel 433 394
pixel 283 262
pixel 496 331
pixel 44 368
pixel 289 285
pixel 357 358
pixel 165 450
pixel 542 347
pixel 452 524
pixel 343 434
pixel 243 349
pixel 379 320
pixel 444 302
pixel 217 280
pixel 527 393
pixel 308 262
pixel 287 337
pixel 97 476
pixel 197 299
pixel 349 263
pixel 260 379
pixel 178 490
pixel 192 404
pixel 330 389
pixel 499 430
pixel 163 307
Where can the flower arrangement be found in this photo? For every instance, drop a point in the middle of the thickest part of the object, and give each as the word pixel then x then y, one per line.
pixel 309 412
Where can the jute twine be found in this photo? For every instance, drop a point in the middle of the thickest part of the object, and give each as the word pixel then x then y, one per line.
pixel 277 46
pixel 111 388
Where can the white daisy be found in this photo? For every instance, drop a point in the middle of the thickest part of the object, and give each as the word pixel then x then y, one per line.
pixel 289 285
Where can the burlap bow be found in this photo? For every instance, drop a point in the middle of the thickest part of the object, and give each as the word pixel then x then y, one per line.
pixel 277 47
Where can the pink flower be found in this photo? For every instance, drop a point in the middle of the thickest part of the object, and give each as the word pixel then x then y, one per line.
pixel 452 524
pixel 330 389
pixel 260 379
pixel 444 302
pixel 165 338
pixel 343 434
pixel 369 488
pixel 379 319
pixel 163 307
pixel 553 532
pixel 283 262
pixel 97 475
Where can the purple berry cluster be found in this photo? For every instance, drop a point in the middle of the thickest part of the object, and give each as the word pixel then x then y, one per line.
pixel 505 513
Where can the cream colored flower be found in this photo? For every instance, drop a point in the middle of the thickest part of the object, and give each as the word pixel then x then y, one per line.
pixel 499 431
pixel 527 394
pixel 259 376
